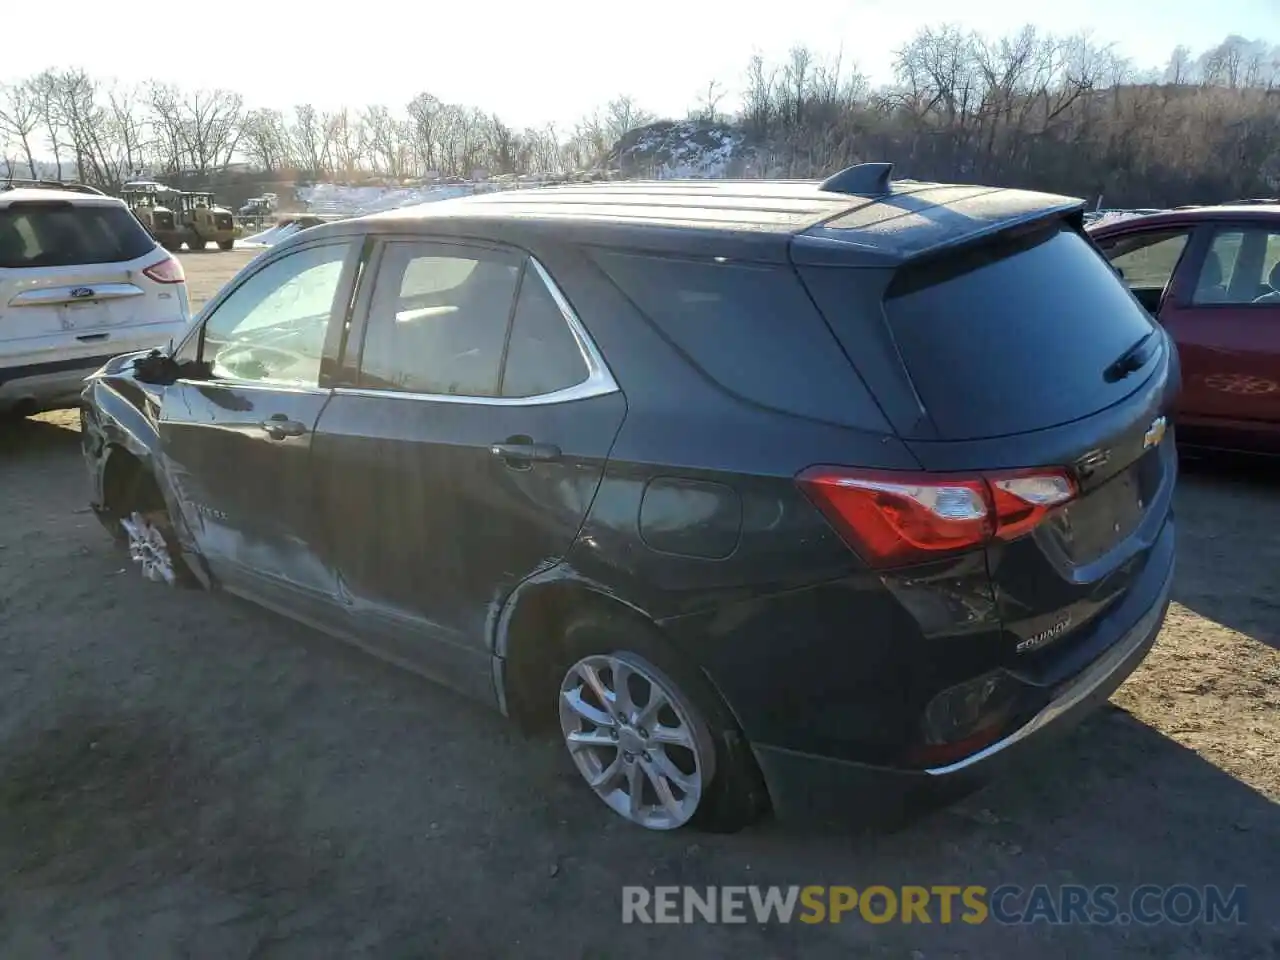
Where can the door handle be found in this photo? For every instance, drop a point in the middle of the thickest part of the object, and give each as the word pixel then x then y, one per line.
pixel 280 426
pixel 524 451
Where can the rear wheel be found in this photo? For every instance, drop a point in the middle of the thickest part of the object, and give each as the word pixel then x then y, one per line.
pixel 648 734
pixel 196 243
pixel 227 244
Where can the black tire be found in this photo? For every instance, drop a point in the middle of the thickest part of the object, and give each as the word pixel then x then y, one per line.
pixel 197 244
pixel 227 244
pixel 737 796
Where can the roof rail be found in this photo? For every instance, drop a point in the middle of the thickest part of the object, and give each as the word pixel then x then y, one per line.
pixel 862 179
pixel 14 183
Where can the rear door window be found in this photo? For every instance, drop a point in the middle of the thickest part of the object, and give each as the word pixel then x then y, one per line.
pixel 1011 338
pixel 438 319
pixel 60 234
pixel 1242 266
pixel 543 355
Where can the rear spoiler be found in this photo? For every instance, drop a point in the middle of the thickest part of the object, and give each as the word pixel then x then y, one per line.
pixel 917 228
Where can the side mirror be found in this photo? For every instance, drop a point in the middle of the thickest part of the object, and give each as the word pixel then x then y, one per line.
pixel 156 367
pixel 162 370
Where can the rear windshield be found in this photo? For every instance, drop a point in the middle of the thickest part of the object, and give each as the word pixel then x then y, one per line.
pixel 60 234
pixel 1019 342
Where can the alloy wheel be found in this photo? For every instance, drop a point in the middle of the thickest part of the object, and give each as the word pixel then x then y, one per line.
pixel 149 549
pixel 639 744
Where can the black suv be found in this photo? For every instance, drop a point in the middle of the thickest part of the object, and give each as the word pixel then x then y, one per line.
pixel 768 491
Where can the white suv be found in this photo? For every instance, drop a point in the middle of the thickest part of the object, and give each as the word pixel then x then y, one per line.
pixel 81 281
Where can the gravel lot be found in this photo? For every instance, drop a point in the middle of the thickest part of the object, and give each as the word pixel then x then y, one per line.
pixel 182 775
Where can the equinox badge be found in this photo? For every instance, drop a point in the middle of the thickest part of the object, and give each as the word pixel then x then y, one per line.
pixel 1038 640
pixel 1155 433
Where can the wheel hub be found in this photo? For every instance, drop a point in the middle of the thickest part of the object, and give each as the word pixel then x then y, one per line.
pixel 630 742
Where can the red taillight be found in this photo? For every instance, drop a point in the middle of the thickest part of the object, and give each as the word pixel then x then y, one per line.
pixel 893 518
pixel 168 270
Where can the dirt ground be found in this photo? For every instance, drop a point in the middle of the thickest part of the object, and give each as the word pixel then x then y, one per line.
pixel 182 775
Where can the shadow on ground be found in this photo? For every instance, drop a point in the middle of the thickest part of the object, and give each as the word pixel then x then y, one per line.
pixel 312 802
pixel 1228 553
pixel 26 438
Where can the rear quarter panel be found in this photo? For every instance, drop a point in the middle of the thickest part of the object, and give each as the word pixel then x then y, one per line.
pixel 699 525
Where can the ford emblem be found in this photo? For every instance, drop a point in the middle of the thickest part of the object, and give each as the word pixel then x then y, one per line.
pixel 81 293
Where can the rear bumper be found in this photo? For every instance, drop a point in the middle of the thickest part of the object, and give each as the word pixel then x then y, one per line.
pixel 807 785
pixel 53 381
pixel 52 378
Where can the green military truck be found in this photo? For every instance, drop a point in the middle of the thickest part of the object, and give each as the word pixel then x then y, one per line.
pixel 202 221
pixel 155 205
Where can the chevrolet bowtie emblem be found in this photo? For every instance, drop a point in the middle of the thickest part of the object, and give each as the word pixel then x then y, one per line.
pixel 1155 433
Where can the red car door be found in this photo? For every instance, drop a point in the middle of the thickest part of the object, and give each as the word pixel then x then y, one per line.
pixel 1224 314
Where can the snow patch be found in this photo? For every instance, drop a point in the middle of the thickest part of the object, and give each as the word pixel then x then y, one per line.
pixel 684 149
pixel 342 200
pixel 1096 218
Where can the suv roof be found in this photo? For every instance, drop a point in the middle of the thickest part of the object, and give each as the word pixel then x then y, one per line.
pixel 70 186
pixel 751 219
pixel 56 194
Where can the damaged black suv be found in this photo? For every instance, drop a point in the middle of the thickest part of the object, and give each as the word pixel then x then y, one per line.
pixel 770 493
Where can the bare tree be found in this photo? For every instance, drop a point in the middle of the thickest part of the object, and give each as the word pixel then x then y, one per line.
pixel 346 138
pixel 545 149
pixel 384 140
pixel 264 140
pixel 1224 64
pixel 622 115
pixel 86 122
pixel 166 122
pixel 309 140
pixel 758 100
pixel 47 90
pixel 425 122
pixel 1180 67
pixel 708 109
pixel 20 119
pixel 211 123
pixel 128 134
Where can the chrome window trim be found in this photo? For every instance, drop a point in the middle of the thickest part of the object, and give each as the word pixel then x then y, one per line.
pixel 598 383
pixel 256 385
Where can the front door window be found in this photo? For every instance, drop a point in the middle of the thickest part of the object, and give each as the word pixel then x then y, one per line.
pixel 271 329
pixel 1241 267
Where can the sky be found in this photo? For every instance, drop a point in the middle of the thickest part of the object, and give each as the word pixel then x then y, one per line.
pixel 534 63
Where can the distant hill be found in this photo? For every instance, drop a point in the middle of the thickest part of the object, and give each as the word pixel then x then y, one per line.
pixel 670 149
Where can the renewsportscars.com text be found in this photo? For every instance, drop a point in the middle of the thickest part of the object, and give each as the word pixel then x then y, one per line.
pixel 1146 904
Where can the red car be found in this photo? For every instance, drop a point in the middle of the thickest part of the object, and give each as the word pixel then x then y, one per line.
pixel 1211 276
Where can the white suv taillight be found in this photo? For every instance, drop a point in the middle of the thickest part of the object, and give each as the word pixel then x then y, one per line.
pixel 168 270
